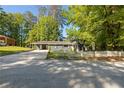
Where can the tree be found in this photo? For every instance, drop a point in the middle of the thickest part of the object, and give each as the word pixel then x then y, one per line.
pixel 57 12
pixel 84 37
pixel 49 25
pixel 72 34
pixel 43 11
pixel 80 17
pixel 46 29
pixel 3 20
pixel 12 25
pixel 29 21
pixel 16 25
pixel 110 23
pixel 104 23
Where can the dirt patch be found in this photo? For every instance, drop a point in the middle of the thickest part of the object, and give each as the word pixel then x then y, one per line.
pixel 111 59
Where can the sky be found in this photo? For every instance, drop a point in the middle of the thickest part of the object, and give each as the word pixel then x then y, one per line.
pixel 24 8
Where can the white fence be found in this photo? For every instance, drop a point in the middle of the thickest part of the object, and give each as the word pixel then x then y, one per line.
pixel 101 53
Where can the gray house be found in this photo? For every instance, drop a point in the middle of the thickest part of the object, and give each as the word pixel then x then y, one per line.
pixel 55 45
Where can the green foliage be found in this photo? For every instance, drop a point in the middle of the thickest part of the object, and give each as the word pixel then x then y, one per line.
pixel 49 26
pixel 16 25
pixel 47 29
pixel 26 28
pixel 75 34
pixel 87 37
pixel 72 33
pixel 104 24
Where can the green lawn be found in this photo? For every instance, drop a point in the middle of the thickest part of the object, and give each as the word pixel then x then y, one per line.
pixel 63 55
pixel 6 50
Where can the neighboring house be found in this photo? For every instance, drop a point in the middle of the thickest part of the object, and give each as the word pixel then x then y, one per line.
pixel 55 45
pixel 6 41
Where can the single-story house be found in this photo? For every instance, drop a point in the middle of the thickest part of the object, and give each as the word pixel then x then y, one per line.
pixel 7 41
pixel 54 45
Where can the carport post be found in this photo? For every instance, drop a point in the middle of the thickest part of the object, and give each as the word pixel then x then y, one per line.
pixel 38 46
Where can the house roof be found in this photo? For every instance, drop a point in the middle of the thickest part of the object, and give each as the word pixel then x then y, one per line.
pixel 7 37
pixel 53 43
pixel 2 36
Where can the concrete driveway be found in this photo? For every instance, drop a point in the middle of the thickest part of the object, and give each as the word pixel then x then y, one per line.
pixel 31 70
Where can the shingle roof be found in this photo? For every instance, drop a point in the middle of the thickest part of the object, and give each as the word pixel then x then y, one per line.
pixel 7 37
pixel 53 43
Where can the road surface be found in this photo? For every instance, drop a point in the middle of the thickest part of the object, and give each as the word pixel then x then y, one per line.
pixel 32 70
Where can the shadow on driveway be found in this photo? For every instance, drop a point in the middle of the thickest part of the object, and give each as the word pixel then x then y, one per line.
pixel 38 73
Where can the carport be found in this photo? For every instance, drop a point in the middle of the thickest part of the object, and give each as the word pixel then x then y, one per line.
pixel 41 45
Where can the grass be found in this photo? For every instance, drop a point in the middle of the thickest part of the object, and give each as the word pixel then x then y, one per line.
pixel 6 50
pixel 57 55
pixel 63 55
